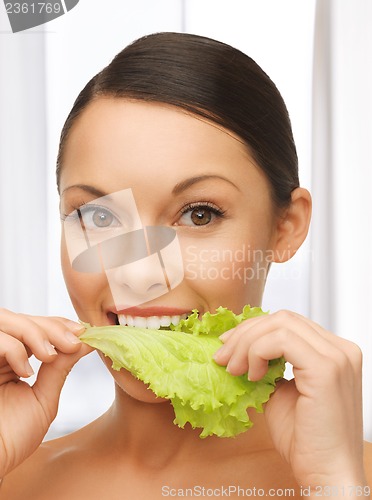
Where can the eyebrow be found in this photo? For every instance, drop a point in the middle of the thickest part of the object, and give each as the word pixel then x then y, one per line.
pixel 178 188
pixel 185 184
pixel 85 187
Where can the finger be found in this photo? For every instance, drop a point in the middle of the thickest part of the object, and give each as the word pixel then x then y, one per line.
pixel 62 333
pixel 35 337
pixel 246 323
pixel 52 376
pixel 295 322
pixel 231 339
pixel 224 353
pixel 305 329
pixel 282 342
pixel 28 332
pixel 341 351
pixel 73 326
pixel 247 356
pixel 15 356
pixel 241 337
pixel 349 348
pixel 235 351
pixel 225 336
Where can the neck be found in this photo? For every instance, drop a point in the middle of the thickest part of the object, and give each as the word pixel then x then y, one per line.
pixel 136 426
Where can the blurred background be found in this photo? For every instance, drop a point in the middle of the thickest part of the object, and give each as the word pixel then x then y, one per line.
pixel 319 55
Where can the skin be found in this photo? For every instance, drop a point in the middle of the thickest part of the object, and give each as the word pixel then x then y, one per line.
pixel 311 431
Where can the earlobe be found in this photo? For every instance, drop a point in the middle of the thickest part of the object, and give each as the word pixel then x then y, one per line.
pixel 292 229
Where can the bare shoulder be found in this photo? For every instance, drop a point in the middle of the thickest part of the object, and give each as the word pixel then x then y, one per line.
pixel 28 476
pixel 44 473
pixel 368 461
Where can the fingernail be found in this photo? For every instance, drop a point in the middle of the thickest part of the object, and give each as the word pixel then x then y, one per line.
pixel 218 353
pixel 227 334
pixel 72 338
pixel 28 369
pixel 49 348
pixel 77 327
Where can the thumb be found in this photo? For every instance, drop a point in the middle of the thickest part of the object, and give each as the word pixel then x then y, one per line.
pixel 51 378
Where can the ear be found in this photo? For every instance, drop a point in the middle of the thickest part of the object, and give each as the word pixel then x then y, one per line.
pixel 293 226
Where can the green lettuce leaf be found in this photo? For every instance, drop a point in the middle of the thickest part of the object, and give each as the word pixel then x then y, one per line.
pixel 177 364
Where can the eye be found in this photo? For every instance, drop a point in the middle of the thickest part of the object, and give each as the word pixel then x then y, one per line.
pixel 199 214
pixel 96 217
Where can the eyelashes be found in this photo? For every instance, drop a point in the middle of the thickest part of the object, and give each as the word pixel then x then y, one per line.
pixel 73 213
pixel 93 217
pixel 98 217
pixel 200 214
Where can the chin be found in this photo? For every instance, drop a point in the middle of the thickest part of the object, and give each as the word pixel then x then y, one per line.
pixel 129 384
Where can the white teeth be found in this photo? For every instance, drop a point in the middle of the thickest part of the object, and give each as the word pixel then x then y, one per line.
pixel 153 322
pixel 167 320
pixel 140 322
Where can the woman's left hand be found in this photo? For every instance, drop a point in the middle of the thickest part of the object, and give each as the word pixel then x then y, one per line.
pixel 315 419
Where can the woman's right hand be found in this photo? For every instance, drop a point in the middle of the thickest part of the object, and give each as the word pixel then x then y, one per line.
pixel 26 412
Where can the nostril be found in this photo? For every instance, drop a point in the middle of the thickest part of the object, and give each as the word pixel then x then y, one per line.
pixel 137 283
pixel 156 286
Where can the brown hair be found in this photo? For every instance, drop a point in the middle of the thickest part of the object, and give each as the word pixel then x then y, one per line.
pixel 210 79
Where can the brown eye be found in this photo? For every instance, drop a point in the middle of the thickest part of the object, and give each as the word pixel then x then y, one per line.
pixel 201 216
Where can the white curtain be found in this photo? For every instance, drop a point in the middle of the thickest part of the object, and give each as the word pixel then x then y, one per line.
pixel 341 242
pixel 23 214
pixel 43 69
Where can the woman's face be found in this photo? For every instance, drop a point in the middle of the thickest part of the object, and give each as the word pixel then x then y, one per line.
pixel 172 169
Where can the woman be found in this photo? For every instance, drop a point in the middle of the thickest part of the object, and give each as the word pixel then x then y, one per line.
pixel 187 133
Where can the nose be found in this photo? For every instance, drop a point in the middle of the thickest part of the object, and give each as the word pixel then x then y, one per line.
pixel 138 282
pixel 157 269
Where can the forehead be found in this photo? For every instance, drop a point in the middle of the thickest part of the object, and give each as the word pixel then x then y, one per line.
pixel 116 143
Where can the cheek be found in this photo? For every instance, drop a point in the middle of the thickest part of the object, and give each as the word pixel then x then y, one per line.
pixel 228 272
pixel 85 290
